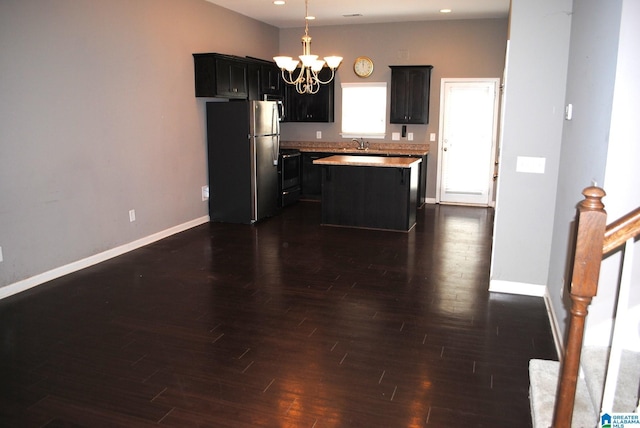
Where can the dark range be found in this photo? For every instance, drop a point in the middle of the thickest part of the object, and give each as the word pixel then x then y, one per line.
pixel 283 323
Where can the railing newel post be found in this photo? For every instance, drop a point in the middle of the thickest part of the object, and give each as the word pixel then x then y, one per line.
pixel 591 225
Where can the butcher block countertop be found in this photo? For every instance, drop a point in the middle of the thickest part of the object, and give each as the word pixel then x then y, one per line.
pixel 379 149
pixel 378 161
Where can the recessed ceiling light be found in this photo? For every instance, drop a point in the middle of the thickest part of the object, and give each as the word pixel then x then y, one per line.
pixel 279 2
pixel 445 10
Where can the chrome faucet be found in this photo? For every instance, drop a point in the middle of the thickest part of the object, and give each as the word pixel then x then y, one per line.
pixel 361 143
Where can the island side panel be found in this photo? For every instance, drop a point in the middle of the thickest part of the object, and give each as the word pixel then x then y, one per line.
pixel 370 197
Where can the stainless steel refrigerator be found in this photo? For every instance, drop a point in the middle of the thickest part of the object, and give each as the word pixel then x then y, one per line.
pixel 243 144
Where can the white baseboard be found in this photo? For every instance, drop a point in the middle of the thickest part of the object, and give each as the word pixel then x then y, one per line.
pixel 58 272
pixel 431 201
pixel 555 326
pixel 521 288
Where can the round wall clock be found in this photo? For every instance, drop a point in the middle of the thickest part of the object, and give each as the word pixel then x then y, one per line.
pixel 363 66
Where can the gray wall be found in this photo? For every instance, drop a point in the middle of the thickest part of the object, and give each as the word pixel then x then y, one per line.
pixel 621 181
pixel 98 116
pixel 469 48
pixel 591 77
pixel 533 120
pixel 622 173
pixel 601 144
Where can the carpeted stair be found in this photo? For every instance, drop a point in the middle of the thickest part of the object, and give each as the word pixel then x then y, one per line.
pixel 543 379
pixel 544 375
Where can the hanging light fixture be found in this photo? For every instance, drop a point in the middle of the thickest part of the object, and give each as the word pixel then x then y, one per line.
pixel 307 81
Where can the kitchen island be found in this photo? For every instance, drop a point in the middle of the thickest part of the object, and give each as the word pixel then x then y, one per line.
pixel 312 150
pixel 376 192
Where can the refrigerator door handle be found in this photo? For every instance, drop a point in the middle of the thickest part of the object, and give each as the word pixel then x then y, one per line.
pixel 281 113
pixel 275 126
pixel 275 119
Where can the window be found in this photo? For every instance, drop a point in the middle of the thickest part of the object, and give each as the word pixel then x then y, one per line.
pixel 364 108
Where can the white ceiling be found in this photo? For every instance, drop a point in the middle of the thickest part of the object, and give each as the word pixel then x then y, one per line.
pixel 332 12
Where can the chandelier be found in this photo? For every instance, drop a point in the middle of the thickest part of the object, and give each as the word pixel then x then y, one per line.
pixel 307 81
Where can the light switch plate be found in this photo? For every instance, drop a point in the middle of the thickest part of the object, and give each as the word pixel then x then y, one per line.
pixel 318 135
pixel 395 136
pixel 432 136
pixel 410 136
pixel 530 164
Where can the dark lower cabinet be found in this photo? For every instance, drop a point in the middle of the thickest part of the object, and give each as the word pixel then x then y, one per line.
pixel 370 197
pixel 422 185
pixel 312 175
pixel 422 179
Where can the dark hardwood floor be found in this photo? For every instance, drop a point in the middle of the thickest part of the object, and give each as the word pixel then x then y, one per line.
pixel 282 324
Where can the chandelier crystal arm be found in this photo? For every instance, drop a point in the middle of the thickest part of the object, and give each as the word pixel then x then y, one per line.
pixel 317 77
pixel 290 80
pixel 308 83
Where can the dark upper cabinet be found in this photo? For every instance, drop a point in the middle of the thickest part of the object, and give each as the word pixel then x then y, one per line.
pixel 310 108
pixel 270 81
pixel 253 81
pixel 410 94
pixel 231 76
pixel 221 76
pixel 264 80
pixel 228 76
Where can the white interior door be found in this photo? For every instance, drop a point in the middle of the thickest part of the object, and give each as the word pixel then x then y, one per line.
pixel 467 144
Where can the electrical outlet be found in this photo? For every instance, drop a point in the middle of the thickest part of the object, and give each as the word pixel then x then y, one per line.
pixel 1 259
pixel 410 136
pixel 205 193
pixel 318 135
pixel 432 136
pixel 395 136
pixel 132 215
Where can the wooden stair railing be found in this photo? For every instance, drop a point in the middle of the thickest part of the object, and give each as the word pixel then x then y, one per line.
pixel 591 225
pixel 593 239
pixel 620 231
